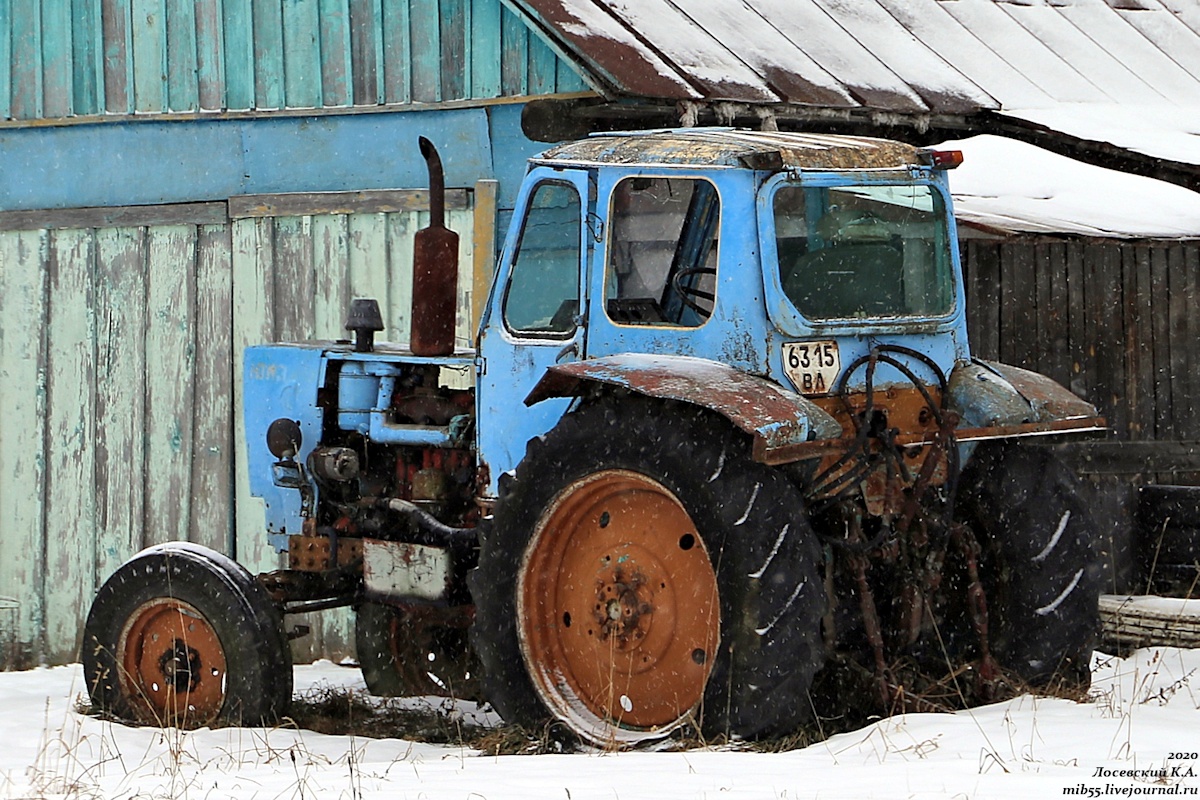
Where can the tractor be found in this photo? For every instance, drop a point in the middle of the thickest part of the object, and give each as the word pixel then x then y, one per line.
pixel 720 435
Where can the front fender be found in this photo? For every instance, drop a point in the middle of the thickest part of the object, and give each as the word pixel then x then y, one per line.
pixel 776 418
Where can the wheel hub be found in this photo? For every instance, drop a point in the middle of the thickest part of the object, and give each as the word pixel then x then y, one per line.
pixel 620 611
pixel 180 666
pixel 172 664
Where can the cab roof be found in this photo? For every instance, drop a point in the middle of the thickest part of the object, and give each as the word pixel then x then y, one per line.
pixel 726 147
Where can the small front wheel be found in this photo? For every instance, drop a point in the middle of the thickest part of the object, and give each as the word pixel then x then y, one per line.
pixel 182 636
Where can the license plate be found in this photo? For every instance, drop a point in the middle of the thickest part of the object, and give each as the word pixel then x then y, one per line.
pixel 812 366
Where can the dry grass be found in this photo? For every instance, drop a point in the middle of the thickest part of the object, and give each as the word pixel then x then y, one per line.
pixel 337 710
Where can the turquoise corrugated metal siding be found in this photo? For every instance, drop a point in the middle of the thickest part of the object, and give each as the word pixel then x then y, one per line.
pixel 64 58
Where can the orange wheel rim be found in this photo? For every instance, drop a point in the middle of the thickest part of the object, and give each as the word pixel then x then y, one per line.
pixel 618 608
pixel 172 664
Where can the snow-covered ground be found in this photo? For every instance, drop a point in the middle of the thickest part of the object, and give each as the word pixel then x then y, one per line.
pixel 1138 737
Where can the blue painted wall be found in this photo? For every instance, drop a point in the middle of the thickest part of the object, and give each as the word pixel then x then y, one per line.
pixel 150 162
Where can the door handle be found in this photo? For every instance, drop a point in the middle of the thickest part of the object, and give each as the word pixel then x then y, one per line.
pixel 571 349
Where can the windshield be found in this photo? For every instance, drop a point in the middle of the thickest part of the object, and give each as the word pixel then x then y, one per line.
pixel 853 252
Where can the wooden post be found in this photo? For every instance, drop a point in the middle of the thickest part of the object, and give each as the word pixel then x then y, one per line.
pixel 484 253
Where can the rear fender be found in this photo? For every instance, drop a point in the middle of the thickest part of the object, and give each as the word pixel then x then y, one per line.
pixel 989 394
pixel 775 418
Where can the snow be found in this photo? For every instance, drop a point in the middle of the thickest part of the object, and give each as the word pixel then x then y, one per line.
pixel 694 50
pixel 584 21
pixel 1143 709
pixel 1015 186
pixel 1168 132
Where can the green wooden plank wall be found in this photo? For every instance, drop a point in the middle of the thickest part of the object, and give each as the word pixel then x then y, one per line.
pixel 64 58
pixel 120 384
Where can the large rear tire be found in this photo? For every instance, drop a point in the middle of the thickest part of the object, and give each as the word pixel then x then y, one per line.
pixel 182 636
pixel 643 572
pixel 1038 562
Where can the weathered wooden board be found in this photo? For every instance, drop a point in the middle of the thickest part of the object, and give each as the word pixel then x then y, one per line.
pixel 381 201
pixel 121 433
pixel 183 87
pixel 149 55
pixel 169 381
pixel 211 521
pixel 27 68
pixel 301 55
pixel 117 64
pixel 253 323
pixel 57 83
pixel 268 39
pixel 70 493
pixel 210 55
pixel 336 65
pixel 23 316
pixel 237 26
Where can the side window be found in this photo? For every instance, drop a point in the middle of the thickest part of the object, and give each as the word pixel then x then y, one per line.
pixel 543 292
pixel 662 257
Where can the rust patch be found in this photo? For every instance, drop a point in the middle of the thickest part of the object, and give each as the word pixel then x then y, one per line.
pixel 774 416
pixel 905 407
pixel 707 147
pixel 311 553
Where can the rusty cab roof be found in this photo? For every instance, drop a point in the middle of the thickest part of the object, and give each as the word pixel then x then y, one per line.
pixel 727 147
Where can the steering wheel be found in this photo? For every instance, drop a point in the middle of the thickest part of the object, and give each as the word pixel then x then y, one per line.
pixel 692 296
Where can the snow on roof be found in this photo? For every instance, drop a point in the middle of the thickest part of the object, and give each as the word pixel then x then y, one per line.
pixel 1077 66
pixel 1012 186
pixel 895 55
pixel 1167 132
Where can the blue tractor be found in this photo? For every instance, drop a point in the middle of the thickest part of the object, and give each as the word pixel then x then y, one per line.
pixel 724 432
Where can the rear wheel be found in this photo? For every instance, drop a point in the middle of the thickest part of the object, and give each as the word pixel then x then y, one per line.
pixel 617 605
pixel 182 636
pixel 643 572
pixel 1038 562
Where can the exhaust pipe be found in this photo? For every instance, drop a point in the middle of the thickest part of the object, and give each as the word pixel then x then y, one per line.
pixel 435 270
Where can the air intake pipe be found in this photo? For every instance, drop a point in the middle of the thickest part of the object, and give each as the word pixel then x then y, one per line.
pixel 435 270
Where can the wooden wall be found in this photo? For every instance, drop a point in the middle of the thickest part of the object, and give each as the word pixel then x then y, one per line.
pixel 120 364
pixel 1114 321
pixel 68 58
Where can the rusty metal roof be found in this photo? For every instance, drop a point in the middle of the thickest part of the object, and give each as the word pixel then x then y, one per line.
pixel 726 147
pixel 903 56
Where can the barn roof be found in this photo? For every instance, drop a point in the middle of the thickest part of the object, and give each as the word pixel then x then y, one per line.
pixel 898 55
pixel 1064 66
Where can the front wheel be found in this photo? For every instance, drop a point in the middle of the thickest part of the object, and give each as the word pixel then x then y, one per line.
pixel 643 572
pixel 182 636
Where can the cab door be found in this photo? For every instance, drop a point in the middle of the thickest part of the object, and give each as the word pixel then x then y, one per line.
pixel 534 317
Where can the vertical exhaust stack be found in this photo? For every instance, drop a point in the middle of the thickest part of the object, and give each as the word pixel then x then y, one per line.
pixel 435 270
